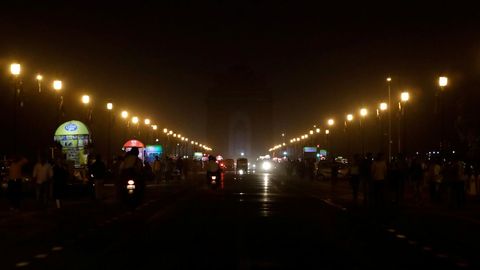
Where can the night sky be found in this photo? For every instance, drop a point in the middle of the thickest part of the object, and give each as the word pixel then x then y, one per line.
pixel 319 60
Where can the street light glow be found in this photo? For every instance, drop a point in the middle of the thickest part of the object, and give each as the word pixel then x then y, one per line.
pixel 389 79
pixel 327 131
pixel 363 112
pixel 330 122
pixel 57 85
pixel 311 132
pixel 109 106
pixel 383 106
pixel 124 114
pixel 317 130
pixel 15 69
pixel 404 96
pixel 349 117
pixel 39 77
pixel 85 99
pixel 154 127
pixel 147 121
pixel 442 81
pixel 165 130
pixel 135 120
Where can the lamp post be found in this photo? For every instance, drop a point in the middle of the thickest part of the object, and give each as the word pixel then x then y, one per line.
pixel 404 98
pixel 147 130
pixel 39 79
pixel 57 87
pixel 389 80
pixel 380 111
pixel 109 132
pixel 135 121
pixel 363 114
pixel 349 119
pixel 331 123
pixel 124 115
pixel 442 83
pixel 15 70
pixel 86 102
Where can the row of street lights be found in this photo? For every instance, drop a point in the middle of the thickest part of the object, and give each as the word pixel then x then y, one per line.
pixel 363 113
pixel 57 85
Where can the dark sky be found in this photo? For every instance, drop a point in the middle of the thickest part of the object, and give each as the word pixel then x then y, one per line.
pixel 319 60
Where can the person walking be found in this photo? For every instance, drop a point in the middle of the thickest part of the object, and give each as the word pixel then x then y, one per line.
pixel 365 178
pixel 157 169
pixel 98 171
pixel 59 179
pixel 42 174
pixel 14 188
pixel 354 174
pixel 379 173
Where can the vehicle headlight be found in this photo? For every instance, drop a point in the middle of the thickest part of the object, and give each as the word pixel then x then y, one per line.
pixel 131 182
pixel 266 166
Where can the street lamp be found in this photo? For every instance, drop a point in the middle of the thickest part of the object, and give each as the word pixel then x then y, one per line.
pixel 86 101
pixel 404 98
pixel 147 121
pixel 442 82
pixel 331 122
pixel 363 114
pixel 15 70
pixel 390 142
pixel 39 79
pixel 57 85
pixel 383 106
pixel 109 132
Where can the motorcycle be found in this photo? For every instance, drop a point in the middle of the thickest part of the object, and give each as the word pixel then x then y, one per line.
pixel 132 190
pixel 214 180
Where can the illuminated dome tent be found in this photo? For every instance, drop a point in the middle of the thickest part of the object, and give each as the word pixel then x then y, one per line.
pixel 74 138
pixel 134 143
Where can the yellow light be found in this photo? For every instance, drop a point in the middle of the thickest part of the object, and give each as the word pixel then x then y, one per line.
pixel 154 127
pixel 170 132
pixel 311 132
pixel 200 145
pixel 57 85
pixel 15 69
pixel 389 79
pixel 175 135
pixel 39 77
pixel 147 121
pixel 298 139
pixel 196 143
pixel 349 117
pixel 306 136
pixel 109 106
pixel 383 106
pixel 317 130
pixel 179 135
pixel 165 130
pixel 135 120
pixel 303 137
pixel 192 142
pixel 330 122
pixel 442 81
pixel 404 96
pixel 327 131
pixel 124 114
pixel 363 112
pixel 85 99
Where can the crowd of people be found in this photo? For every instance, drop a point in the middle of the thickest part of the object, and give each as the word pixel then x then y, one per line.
pixel 49 178
pixel 434 178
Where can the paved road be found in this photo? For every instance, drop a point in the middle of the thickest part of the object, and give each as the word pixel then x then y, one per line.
pixel 258 222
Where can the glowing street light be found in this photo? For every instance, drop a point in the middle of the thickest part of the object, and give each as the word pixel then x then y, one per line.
pixel 404 96
pixel 124 114
pixel 147 121
pixel 165 130
pixel 85 99
pixel 311 132
pixel 442 81
pixel 154 127
pixel 389 79
pixel 331 122
pixel 135 120
pixel 349 117
pixel 39 77
pixel 383 106
pixel 15 69
pixel 363 112
pixel 327 131
pixel 109 106
pixel 317 130
pixel 57 85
